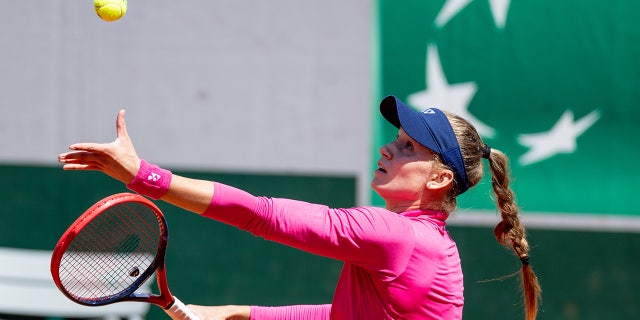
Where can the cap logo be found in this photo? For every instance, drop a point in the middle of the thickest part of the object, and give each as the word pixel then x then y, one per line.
pixel 428 111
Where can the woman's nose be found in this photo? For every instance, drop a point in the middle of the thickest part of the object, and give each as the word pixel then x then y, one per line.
pixel 384 152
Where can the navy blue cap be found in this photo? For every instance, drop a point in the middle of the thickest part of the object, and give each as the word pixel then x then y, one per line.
pixel 430 128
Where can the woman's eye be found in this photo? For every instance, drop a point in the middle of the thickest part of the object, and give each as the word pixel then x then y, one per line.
pixel 408 145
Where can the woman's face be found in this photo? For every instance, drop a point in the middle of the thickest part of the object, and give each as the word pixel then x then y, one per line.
pixel 403 171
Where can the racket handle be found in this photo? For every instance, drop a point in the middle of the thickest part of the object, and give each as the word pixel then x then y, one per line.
pixel 178 311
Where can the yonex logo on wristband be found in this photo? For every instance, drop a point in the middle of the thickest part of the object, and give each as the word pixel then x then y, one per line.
pixel 153 177
pixel 151 180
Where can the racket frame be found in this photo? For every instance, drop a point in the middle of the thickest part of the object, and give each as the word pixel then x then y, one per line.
pixel 165 299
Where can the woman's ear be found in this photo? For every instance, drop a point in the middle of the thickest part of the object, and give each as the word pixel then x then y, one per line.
pixel 443 179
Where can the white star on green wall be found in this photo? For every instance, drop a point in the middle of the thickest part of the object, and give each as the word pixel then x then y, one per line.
pixel 499 9
pixel 450 97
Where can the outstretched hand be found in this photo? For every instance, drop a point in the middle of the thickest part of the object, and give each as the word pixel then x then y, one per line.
pixel 117 159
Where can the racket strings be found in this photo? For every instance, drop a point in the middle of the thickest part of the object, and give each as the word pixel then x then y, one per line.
pixel 108 256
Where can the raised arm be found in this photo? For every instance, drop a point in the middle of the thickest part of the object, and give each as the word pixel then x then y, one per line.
pixel 119 160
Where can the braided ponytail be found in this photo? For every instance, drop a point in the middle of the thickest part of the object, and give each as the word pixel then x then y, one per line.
pixel 509 231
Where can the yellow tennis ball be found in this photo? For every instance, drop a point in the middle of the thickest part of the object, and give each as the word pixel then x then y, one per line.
pixel 110 10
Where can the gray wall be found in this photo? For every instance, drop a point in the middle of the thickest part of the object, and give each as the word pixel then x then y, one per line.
pixel 258 86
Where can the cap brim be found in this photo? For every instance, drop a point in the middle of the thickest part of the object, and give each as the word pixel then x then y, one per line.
pixel 401 115
pixel 389 110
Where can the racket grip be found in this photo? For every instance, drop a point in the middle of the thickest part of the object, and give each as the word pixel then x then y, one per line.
pixel 178 311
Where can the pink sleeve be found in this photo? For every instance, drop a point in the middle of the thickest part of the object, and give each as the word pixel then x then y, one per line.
pixel 302 312
pixel 365 236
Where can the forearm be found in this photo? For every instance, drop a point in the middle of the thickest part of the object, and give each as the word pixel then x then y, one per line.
pixel 158 183
pixel 298 312
pixel 190 194
pixel 229 312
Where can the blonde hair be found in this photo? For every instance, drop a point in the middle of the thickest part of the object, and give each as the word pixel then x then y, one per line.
pixel 509 231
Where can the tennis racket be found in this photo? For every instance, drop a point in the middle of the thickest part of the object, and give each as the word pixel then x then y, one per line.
pixel 111 250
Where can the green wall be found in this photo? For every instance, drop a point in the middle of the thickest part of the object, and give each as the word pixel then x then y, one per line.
pixel 558 83
pixel 584 275
pixel 207 262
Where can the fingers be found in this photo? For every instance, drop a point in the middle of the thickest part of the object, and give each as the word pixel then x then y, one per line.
pixel 88 147
pixel 83 167
pixel 85 156
pixel 79 161
pixel 71 164
pixel 117 159
pixel 121 130
pixel 74 156
pixel 121 125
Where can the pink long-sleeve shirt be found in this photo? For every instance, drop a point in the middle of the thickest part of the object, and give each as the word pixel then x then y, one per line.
pixel 396 265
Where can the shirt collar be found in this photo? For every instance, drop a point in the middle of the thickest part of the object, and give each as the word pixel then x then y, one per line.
pixel 433 214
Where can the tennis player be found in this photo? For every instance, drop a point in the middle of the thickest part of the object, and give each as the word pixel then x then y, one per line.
pixel 399 261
